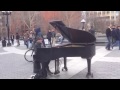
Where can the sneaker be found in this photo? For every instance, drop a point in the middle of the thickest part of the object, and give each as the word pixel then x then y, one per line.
pixel 37 76
pixel 106 48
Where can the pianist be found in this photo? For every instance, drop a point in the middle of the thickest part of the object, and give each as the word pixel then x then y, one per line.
pixel 41 72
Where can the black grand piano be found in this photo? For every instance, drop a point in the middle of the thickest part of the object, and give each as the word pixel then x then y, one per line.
pixel 82 44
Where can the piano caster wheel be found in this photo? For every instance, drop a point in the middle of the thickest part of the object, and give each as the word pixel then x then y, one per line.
pixel 57 72
pixel 64 69
pixel 89 75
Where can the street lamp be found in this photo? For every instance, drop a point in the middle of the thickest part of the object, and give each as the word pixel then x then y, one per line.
pixel 83 22
pixel 7 13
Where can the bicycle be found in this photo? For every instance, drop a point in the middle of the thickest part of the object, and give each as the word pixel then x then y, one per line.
pixel 29 55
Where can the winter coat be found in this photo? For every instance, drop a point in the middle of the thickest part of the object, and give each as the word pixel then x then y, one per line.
pixel 49 35
pixel 108 32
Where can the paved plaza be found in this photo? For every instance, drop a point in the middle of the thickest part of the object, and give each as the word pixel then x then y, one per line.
pixel 105 64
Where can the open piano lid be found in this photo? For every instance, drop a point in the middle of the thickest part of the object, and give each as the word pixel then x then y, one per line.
pixel 73 35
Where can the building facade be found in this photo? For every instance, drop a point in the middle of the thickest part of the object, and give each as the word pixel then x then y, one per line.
pixel 111 16
pixel 3 30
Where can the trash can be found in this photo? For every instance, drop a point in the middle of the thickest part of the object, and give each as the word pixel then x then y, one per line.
pixel 3 43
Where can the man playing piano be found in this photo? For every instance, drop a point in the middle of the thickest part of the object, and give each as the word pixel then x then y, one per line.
pixel 41 72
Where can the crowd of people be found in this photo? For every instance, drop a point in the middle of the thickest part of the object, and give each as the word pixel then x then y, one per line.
pixel 29 37
pixel 12 39
pixel 113 36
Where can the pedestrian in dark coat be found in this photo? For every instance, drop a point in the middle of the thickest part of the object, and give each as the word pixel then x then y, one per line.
pixel 113 34
pixel 117 37
pixel 92 31
pixel 39 33
pixel 18 39
pixel 108 35
pixel 49 36
pixel 12 39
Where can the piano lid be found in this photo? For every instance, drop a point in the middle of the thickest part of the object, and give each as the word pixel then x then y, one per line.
pixel 73 35
pixel 57 24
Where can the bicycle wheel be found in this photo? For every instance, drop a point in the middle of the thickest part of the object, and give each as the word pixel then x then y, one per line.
pixel 29 55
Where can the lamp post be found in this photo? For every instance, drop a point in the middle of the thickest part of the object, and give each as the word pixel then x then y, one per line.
pixel 83 23
pixel 7 13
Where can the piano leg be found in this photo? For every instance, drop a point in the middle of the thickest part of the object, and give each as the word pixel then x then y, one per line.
pixel 57 71
pixel 89 74
pixel 65 64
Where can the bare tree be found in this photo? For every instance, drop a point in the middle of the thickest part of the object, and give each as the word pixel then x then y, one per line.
pixel 71 18
pixel 28 18
pixel 15 21
pixel 118 18
pixel 23 20
pixel 99 23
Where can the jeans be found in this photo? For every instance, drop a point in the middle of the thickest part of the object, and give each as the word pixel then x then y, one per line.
pixel 18 42
pixel 116 43
pixel 109 43
pixel 12 40
pixel 49 41
pixel 53 41
pixel 26 43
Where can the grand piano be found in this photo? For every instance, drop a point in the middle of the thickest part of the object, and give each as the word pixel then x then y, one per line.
pixel 81 44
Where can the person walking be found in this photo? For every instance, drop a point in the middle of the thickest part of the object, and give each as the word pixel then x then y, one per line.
pixel 30 41
pixel 92 31
pixel 18 39
pixel 4 42
pixel 49 36
pixel 26 38
pixel 39 33
pixel 113 33
pixel 53 37
pixel 108 35
pixel 117 37
pixel 12 39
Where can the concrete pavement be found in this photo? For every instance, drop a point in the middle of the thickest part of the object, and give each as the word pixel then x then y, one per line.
pixel 105 64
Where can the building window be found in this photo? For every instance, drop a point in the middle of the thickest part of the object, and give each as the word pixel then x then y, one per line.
pixel 103 12
pixel 108 12
pixel 99 13
pixel 95 13
pixel 91 13
pixel 112 17
pixel 87 14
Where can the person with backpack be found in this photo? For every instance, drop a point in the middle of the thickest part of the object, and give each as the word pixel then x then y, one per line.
pixel 39 33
